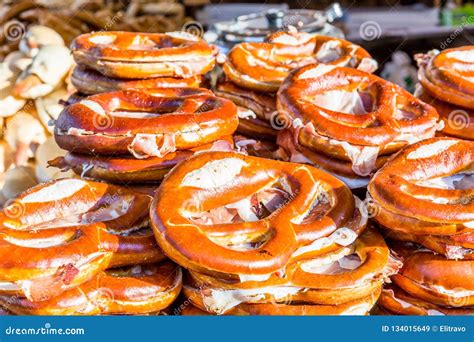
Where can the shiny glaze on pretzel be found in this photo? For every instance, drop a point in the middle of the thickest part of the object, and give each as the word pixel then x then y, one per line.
pixel 144 55
pixel 130 290
pixel 429 182
pixel 88 81
pixel 264 66
pixel 145 123
pixel 311 204
pixel 58 235
pixel 447 75
pixel 127 169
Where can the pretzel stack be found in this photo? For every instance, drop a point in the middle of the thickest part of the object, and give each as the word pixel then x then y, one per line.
pixel 259 236
pixel 447 84
pixel 74 247
pixel 255 71
pixel 109 61
pixel 348 122
pixel 136 135
pixel 423 201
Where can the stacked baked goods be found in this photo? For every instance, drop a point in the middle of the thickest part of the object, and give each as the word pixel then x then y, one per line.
pixel 424 201
pixel 137 134
pixel 72 247
pixel 255 71
pixel 260 236
pixel 108 61
pixel 348 122
pixel 446 84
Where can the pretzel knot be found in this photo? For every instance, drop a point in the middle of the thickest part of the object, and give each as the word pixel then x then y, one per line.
pixel 426 194
pixel 447 75
pixel 352 115
pixel 69 231
pixel 145 123
pixel 144 55
pixel 264 66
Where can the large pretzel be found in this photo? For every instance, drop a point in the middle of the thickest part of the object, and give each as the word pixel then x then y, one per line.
pixel 264 66
pixel 435 279
pixel 144 55
pixel 146 122
pixel 88 81
pixel 60 234
pixel 409 186
pixel 325 280
pixel 311 204
pixel 452 246
pixel 375 118
pixel 447 75
pixel 137 289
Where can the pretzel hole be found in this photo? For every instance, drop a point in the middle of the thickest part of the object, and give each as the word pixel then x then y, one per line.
pixel 255 207
pixel 359 101
pixel 143 43
pixel 132 271
pixel 331 267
